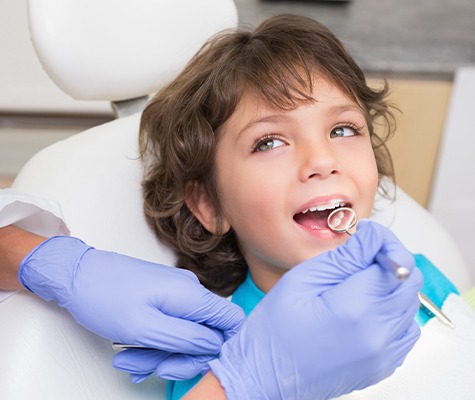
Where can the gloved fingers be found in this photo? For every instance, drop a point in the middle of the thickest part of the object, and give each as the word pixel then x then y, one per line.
pixel 318 274
pixel 402 300
pixel 370 239
pixel 381 329
pixel 183 366
pixel 172 294
pixel 400 307
pixel 357 253
pixel 406 292
pixel 391 359
pixel 141 363
pixel 394 356
pixel 363 290
pixel 206 308
pixel 138 378
pixel 349 299
pixel 400 348
pixel 377 281
pixel 180 335
pixel 409 339
pixel 221 314
pixel 397 324
pixel 370 295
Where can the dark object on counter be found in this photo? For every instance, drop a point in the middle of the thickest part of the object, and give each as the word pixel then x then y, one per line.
pixel 310 1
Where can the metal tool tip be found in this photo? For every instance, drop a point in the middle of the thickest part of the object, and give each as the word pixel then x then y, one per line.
pixel 402 273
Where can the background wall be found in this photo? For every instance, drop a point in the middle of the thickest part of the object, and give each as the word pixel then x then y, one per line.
pixel 415 146
pixel 452 200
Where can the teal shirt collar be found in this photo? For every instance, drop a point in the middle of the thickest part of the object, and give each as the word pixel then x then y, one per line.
pixel 247 295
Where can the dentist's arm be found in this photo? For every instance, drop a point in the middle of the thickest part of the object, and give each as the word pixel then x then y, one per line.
pixel 15 244
pixel 164 308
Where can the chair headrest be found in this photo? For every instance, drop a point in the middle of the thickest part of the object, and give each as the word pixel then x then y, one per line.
pixel 117 50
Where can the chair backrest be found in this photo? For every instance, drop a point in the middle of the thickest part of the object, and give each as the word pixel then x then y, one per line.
pixel 95 176
pixel 96 50
pixel 118 50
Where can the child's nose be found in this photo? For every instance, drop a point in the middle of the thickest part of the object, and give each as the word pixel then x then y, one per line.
pixel 318 161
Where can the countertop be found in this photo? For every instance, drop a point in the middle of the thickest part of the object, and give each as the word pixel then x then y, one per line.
pixel 422 38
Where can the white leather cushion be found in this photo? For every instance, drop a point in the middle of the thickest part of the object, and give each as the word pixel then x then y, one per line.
pixel 95 176
pixel 47 356
pixel 117 50
pixel 439 367
pixel 421 233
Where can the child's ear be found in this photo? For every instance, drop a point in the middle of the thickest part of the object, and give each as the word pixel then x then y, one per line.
pixel 201 206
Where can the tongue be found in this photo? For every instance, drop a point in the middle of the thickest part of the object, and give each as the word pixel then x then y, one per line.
pixel 313 220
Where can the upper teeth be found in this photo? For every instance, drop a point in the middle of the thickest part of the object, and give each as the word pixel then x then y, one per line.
pixel 323 207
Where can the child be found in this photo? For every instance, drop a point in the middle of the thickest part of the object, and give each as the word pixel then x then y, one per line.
pixel 236 80
pixel 252 145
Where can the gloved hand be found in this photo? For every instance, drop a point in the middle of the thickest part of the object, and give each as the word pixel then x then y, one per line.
pixel 131 301
pixel 333 324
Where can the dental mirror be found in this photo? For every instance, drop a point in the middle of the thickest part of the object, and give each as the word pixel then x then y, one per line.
pixel 343 219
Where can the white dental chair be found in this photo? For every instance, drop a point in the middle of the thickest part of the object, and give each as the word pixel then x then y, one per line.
pixel 118 51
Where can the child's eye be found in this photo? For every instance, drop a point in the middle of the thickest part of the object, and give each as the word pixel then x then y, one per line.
pixel 344 131
pixel 267 143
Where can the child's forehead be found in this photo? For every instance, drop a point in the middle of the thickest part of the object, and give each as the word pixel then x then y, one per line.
pixel 255 98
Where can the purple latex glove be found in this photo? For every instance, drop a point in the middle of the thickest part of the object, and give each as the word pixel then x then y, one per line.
pixel 132 301
pixel 333 324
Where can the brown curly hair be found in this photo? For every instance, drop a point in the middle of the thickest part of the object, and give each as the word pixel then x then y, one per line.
pixel 178 134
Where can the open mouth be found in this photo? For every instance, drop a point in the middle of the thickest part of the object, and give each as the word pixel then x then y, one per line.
pixel 316 217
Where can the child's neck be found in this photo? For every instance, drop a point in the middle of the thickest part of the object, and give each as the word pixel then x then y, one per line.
pixel 265 279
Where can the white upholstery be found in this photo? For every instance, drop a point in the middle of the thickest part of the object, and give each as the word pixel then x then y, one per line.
pixel 96 50
pixel 46 356
pixel 102 204
pixel 96 175
pixel 116 50
pixel 421 233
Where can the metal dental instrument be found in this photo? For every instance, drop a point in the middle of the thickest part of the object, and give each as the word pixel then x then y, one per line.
pixel 343 219
pixel 433 309
pixel 122 346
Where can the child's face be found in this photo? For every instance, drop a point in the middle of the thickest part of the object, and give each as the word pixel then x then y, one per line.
pixel 274 165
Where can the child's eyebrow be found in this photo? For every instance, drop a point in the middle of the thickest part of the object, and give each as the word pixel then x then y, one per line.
pixel 342 108
pixel 280 117
pixel 272 118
